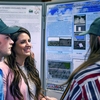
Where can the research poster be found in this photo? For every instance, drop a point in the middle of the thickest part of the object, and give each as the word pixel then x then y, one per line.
pixel 65 49
pixel 29 17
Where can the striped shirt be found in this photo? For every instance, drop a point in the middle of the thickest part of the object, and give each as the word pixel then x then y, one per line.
pixel 85 85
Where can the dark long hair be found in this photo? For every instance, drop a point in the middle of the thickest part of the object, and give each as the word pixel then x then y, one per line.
pixel 29 64
pixel 93 55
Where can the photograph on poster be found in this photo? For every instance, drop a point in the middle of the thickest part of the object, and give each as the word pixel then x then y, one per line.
pixel 79 45
pixel 79 23
pixel 55 87
pixel 79 26
pixel 79 19
pixel 79 41
pixel 58 70
pixel 59 41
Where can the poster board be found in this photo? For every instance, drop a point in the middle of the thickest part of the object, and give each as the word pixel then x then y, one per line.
pixel 28 15
pixel 64 49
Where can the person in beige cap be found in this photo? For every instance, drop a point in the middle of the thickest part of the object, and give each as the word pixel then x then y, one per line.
pixel 5 47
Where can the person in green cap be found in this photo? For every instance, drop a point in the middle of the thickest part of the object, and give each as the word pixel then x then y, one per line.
pixel 5 47
pixel 84 82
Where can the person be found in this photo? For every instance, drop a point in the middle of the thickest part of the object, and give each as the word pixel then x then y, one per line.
pixel 5 47
pixel 21 78
pixel 84 82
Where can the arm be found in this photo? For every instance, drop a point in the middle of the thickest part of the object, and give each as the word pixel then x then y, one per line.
pixel 5 70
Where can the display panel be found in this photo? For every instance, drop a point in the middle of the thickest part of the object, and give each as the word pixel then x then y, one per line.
pixel 63 45
pixel 29 16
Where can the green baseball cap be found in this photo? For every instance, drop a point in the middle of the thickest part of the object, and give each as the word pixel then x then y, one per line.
pixel 4 29
pixel 94 28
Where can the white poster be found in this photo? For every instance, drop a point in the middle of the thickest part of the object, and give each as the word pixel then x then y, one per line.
pixel 29 17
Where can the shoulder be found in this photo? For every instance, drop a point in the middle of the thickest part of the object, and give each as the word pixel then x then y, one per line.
pixel 4 67
pixel 93 69
pixel 88 74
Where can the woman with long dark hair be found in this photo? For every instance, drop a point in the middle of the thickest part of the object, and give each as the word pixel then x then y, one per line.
pixel 21 78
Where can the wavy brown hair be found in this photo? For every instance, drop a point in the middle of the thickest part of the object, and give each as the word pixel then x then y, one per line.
pixel 30 66
pixel 93 55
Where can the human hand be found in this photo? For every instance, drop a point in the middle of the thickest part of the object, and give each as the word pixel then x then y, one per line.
pixel 50 98
pixel 43 99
